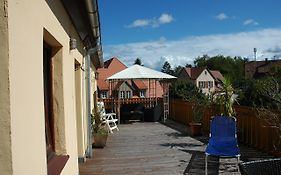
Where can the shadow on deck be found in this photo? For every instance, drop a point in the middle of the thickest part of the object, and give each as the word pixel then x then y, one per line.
pixel 155 148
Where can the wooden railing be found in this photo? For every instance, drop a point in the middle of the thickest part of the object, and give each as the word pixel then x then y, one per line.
pixel 251 130
pixel 112 104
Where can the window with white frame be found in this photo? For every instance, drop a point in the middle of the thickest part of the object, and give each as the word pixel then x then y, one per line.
pixel 122 94
pixel 128 94
pixel 142 94
pixel 201 84
pixel 103 94
pixel 210 84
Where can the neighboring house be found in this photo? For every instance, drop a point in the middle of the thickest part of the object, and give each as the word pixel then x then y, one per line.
pixel 257 69
pixel 111 67
pixel 206 80
pixel 123 89
pixel 138 88
pixel 48 50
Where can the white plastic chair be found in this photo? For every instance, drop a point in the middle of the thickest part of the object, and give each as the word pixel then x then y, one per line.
pixel 109 118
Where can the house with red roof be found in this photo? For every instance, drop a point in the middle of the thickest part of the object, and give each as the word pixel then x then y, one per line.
pixel 111 67
pixel 258 69
pixel 206 80
pixel 125 89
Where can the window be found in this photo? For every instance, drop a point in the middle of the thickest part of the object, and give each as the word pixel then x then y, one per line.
pixel 103 94
pixel 201 84
pixel 210 84
pixel 205 84
pixel 142 94
pixel 122 94
pixel 128 94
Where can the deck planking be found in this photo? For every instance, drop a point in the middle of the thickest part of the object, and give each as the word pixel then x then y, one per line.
pixel 141 148
pixel 157 149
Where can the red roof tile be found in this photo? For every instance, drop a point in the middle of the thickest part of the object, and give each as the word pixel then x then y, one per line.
pixel 194 72
pixel 140 84
pixel 217 75
pixel 111 67
pixel 103 85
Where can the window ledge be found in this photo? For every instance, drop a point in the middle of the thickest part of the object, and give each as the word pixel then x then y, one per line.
pixel 56 164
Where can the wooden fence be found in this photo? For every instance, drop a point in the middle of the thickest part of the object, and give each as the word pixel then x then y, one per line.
pixel 112 104
pixel 251 130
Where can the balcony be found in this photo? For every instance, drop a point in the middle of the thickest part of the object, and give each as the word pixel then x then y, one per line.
pixel 157 148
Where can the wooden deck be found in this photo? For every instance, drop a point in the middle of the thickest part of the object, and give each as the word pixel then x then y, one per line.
pixel 155 149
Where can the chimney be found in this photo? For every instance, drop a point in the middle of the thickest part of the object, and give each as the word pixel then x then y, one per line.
pixel 188 70
pixel 255 54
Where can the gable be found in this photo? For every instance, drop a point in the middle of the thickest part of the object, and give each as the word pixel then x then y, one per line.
pixel 123 86
pixel 116 65
pixel 205 75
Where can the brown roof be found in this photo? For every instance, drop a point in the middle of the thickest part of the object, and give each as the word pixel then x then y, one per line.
pixel 140 84
pixel 194 72
pixel 256 68
pixel 103 85
pixel 111 67
pixel 114 61
pixel 217 75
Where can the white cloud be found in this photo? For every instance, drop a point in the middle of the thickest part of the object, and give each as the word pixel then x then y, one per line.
pixel 139 23
pixel 165 18
pixel 153 22
pixel 221 16
pixel 250 22
pixel 179 52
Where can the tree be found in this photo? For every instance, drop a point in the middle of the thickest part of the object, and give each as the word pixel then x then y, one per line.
pixel 228 66
pixel 138 61
pixel 177 70
pixel 166 68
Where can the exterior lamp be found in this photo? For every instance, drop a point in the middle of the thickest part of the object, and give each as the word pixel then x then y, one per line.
pixel 72 44
pixel 96 75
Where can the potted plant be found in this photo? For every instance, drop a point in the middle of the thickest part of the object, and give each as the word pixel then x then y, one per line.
pixel 196 124
pixel 225 99
pixel 99 129
pixel 189 92
pixel 200 103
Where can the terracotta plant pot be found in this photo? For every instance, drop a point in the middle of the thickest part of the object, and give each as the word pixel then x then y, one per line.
pixel 99 140
pixel 195 129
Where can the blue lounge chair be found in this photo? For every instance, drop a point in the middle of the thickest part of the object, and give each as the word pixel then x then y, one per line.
pixel 223 139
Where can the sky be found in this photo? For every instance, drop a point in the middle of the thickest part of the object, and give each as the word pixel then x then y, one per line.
pixel 178 31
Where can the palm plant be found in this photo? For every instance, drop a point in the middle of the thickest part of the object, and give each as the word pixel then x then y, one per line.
pixel 98 126
pixel 225 99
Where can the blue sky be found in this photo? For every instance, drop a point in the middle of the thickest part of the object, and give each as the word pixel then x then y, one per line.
pixel 180 30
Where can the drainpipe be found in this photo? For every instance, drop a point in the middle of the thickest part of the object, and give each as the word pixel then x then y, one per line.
pixel 93 15
pixel 94 18
pixel 89 94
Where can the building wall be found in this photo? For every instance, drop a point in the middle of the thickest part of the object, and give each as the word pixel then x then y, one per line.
pixel 5 113
pixel 206 76
pixel 31 22
pixel 81 117
pixel 155 90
